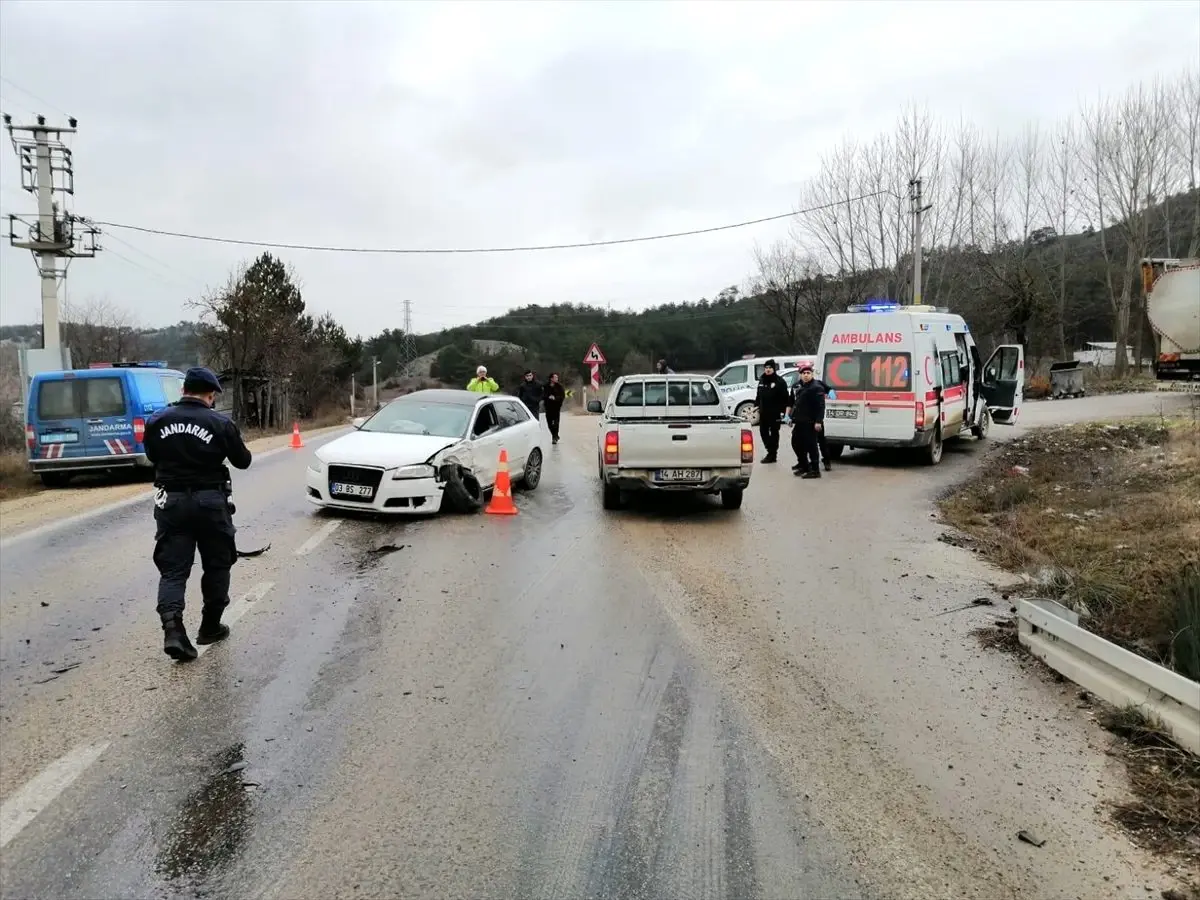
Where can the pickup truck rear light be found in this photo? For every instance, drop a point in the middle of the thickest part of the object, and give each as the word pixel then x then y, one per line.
pixel 919 414
pixel 747 445
pixel 30 437
pixel 612 448
pixel 139 430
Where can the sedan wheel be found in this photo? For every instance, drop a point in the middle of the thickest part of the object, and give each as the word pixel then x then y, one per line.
pixel 533 470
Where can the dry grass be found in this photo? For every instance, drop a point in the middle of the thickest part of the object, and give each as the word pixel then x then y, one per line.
pixel 1099 381
pixel 15 478
pixel 1107 520
pixel 1164 813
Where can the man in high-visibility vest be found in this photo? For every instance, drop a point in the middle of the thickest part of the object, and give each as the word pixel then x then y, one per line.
pixel 481 383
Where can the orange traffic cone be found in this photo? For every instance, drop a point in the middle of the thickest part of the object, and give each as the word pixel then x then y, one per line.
pixel 502 502
pixel 296 443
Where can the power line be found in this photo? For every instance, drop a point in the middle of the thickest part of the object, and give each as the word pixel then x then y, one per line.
pixel 443 250
pixel 33 96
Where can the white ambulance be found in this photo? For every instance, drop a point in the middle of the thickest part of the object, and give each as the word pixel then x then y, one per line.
pixel 912 376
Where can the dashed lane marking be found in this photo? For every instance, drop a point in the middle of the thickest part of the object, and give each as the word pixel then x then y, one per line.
pixel 24 806
pixel 316 540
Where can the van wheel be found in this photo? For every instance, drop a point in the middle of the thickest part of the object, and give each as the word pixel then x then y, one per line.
pixel 55 479
pixel 835 450
pixel 732 498
pixel 932 454
pixel 985 422
pixel 612 496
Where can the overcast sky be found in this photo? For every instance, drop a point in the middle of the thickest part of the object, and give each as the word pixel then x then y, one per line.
pixel 406 124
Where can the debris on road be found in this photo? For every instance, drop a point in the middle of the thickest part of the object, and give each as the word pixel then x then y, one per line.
pixel 1030 838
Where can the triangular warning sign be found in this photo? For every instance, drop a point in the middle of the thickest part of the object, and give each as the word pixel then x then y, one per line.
pixel 594 355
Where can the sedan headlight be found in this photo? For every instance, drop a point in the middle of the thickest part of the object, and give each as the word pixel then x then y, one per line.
pixel 406 472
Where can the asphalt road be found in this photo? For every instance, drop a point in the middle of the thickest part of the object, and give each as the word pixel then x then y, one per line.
pixel 671 701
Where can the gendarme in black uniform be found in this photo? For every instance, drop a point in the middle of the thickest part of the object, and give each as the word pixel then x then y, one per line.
pixel 189 442
pixel 808 418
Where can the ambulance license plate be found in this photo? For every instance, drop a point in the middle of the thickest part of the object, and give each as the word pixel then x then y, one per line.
pixel 679 475
pixel 337 489
pixel 842 413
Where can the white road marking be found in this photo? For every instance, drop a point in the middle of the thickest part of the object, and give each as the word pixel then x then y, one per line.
pixel 24 806
pixel 239 608
pixel 315 541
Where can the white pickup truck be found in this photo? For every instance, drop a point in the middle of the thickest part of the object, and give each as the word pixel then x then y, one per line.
pixel 671 433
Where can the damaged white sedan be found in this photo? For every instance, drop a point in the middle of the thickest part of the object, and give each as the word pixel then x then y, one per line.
pixel 427 450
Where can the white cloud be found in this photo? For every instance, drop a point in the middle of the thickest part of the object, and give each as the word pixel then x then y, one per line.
pixel 469 124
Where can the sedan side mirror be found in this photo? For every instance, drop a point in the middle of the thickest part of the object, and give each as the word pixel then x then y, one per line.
pixel 359 421
pixel 594 406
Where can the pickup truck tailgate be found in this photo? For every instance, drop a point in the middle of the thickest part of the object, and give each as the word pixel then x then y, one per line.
pixel 677 445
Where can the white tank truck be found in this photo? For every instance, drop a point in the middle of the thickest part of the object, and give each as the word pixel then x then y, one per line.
pixel 1173 307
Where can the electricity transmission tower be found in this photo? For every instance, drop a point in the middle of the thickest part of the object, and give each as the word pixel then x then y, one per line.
pixel 408 345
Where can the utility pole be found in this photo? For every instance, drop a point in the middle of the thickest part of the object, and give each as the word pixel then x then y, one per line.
pixel 408 346
pixel 914 195
pixel 375 380
pixel 47 169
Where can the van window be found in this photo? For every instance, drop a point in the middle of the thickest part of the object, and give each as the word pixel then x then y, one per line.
pixel 734 375
pixel 56 400
pixel 102 397
pixel 868 371
pixel 950 369
pixel 172 388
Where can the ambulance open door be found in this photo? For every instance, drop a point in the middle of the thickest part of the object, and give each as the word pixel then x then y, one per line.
pixel 1003 385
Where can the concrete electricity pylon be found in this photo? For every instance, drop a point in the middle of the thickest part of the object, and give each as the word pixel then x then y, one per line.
pixel 53 234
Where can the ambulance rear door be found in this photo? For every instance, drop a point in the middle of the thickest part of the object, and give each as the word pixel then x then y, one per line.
pixel 1003 384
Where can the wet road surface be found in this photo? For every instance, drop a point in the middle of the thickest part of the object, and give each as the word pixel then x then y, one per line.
pixel 672 701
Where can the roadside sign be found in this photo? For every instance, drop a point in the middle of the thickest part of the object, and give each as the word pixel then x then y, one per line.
pixel 594 356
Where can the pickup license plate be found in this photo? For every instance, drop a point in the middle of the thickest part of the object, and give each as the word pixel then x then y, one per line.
pixel 64 437
pixel 679 475
pixel 842 413
pixel 351 490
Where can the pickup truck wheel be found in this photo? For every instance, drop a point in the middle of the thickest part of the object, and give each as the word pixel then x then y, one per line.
pixel 55 479
pixel 732 498
pixel 835 450
pixel 932 454
pixel 985 422
pixel 462 492
pixel 612 496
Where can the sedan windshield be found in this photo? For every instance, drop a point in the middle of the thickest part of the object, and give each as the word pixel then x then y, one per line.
pixel 447 420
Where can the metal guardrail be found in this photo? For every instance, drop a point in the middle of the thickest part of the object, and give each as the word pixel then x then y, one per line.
pixel 1052 633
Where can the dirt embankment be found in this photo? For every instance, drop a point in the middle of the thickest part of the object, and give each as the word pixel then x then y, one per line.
pixel 1105 518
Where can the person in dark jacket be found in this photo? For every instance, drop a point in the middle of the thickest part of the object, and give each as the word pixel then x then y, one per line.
pixel 772 401
pixel 554 398
pixel 189 442
pixel 661 368
pixel 530 393
pixel 807 411
pixel 821 442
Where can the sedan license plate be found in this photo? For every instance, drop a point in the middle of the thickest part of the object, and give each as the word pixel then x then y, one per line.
pixel 679 475
pixel 842 413
pixel 65 437
pixel 352 490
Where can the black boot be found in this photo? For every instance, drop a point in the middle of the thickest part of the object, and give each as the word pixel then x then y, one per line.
pixel 769 458
pixel 211 629
pixel 175 639
pixel 811 473
pixel 828 465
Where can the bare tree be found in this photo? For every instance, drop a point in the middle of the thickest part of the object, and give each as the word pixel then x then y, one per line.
pixel 1128 157
pixel 1187 146
pixel 97 330
pixel 1060 202
pixel 793 292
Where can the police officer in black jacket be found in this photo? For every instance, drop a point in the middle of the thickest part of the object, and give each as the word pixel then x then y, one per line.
pixel 188 442
pixel 808 419
pixel 772 400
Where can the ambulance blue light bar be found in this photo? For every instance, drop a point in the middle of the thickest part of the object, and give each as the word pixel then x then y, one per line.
pixel 873 306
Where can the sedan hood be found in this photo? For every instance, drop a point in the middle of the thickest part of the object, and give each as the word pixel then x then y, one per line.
pixel 377 448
